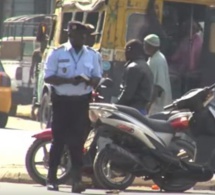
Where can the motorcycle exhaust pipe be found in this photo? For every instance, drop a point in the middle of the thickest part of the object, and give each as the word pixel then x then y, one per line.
pixel 202 172
pixel 195 172
pixel 184 169
pixel 122 156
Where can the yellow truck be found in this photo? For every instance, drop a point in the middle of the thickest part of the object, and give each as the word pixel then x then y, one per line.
pixel 121 20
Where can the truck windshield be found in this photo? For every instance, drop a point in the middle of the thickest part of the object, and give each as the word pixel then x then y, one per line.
pixel 136 26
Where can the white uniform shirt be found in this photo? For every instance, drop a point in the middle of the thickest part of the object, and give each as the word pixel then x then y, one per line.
pixel 66 63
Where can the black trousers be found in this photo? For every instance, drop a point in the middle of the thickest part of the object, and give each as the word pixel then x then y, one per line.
pixel 69 125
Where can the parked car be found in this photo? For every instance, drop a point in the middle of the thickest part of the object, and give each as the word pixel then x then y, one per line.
pixel 5 96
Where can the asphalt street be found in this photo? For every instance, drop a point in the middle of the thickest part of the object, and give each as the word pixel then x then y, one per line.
pixel 14 144
pixel 24 189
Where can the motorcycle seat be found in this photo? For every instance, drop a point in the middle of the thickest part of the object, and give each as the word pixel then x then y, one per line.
pixel 156 125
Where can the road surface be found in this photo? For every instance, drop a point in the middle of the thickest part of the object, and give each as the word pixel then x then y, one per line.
pixel 24 189
pixel 15 140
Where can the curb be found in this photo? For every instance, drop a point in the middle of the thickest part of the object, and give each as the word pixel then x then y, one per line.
pixel 15 174
pixel 18 174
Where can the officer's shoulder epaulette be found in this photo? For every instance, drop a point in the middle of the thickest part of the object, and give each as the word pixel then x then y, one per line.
pixel 59 47
pixel 91 49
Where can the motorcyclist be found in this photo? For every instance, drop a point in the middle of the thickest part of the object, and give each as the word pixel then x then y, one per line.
pixel 137 85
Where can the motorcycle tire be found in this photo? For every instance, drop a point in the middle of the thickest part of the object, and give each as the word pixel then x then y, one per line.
pixel 30 165
pixel 100 178
pixel 173 185
pixel 178 185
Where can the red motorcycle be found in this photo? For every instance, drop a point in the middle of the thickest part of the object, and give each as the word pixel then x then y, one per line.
pixel 37 158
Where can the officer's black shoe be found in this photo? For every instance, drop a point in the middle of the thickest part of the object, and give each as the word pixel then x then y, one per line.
pixel 78 187
pixel 52 186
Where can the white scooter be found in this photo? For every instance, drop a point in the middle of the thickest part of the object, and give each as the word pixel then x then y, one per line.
pixel 138 146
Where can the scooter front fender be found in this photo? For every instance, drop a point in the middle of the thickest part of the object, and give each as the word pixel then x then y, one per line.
pixel 45 135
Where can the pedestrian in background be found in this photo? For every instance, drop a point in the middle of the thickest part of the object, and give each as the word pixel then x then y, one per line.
pixel 91 40
pixel 73 70
pixel 162 94
pixel 137 85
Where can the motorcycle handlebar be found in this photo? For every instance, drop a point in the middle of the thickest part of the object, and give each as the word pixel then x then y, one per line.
pixel 174 104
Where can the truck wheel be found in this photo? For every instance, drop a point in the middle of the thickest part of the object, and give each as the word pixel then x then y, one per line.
pixel 3 120
pixel 45 111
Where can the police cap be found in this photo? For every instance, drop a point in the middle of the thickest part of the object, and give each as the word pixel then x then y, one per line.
pixel 76 26
pixel 91 30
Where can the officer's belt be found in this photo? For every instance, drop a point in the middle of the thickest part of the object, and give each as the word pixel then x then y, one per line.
pixel 72 98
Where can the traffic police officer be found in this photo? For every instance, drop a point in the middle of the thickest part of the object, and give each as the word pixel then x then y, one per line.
pixel 72 70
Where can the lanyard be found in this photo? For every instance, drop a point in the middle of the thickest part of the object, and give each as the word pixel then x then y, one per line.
pixel 79 57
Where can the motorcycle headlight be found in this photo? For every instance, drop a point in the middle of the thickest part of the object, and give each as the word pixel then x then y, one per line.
pixel 94 115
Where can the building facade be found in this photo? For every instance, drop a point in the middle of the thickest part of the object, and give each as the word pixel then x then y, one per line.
pixel 10 8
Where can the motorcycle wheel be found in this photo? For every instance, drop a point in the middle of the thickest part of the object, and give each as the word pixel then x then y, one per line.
pixel 170 184
pixel 38 170
pixel 103 175
pixel 186 152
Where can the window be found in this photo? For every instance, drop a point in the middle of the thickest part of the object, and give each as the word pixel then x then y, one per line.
pixel 66 18
pixel 92 18
pixel 97 20
pixel 212 38
pixel 136 26
pixel 79 16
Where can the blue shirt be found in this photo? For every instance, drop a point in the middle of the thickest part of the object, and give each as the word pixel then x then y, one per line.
pixel 66 63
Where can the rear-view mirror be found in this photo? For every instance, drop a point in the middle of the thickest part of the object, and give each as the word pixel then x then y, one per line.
pixel 106 82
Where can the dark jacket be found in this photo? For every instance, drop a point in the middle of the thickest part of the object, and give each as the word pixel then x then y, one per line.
pixel 137 86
